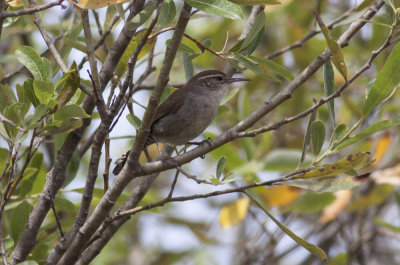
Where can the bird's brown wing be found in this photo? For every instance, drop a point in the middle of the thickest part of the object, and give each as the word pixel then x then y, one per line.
pixel 171 104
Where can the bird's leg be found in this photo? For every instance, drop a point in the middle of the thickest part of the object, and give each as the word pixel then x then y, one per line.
pixel 206 141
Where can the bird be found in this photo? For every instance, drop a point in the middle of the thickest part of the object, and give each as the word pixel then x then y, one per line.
pixel 188 111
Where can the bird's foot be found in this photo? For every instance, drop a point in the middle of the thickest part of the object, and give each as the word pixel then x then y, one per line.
pixel 206 141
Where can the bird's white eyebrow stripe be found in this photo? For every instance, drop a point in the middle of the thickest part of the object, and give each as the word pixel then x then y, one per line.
pixel 210 75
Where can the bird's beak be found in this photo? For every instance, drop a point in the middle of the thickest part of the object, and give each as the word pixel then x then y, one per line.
pixel 233 80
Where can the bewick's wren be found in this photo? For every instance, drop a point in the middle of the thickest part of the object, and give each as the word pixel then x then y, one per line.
pixel 188 111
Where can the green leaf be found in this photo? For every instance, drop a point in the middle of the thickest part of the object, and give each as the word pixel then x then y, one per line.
pixel 275 67
pixel 134 120
pixel 317 136
pixel 229 151
pixel 313 249
pixel 221 166
pixel 391 227
pixel 340 130
pixel 365 4
pixel 32 120
pixel 188 66
pixel 62 204
pixel 329 77
pixel 7 97
pixel 307 136
pixel 72 168
pixel 222 8
pixel 48 69
pixel 331 184
pixel 28 262
pixel 386 80
pixel 69 111
pixel 285 160
pixel 44 91
pixel 254 67
pixel 379 126
pixel 256 2
pixel 3 157
pixel 167 13
pixel 19 217
pixel 33 62
pixel 16 113
pixel 61 126
pixel 142 17
pixel 255 35
pixel 67 85
pixel 26 184
pixel 30 93
pixel 231 93
pixel 334 47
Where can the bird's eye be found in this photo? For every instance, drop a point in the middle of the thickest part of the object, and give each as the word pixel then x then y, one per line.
pixel 219 78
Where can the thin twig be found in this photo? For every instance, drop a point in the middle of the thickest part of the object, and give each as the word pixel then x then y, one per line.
pixel 10 122
pixel 322 101
pixel 57 220
pixel 107 163
pixel 202 47
pixel 50 43
pixel 311 34
pixel 32 10
pixel 171 191
pixel 94 75
pixel 206 195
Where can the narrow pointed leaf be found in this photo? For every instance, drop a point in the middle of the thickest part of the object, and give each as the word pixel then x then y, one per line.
pixel 387 79
pixel 379 126
pixel 315 250
pixel 317 136
pixel 307 136
pixel 346 164
pixel 222 8
pixel 334 47
pixel 329 77
pixel 167 13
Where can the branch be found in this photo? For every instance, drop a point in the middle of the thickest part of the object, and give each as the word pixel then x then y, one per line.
pixel 10 122
pixel 105 205
pixel 268 106
pixel 56 176
pixel 311 34
pixel 48 39
pixel 32 10
pixel 205 195
pixel 94 76
pixel 104 234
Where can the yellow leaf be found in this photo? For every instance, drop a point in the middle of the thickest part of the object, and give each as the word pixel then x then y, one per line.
pixel 381 148
pixel 14 3
pixel 93 4
pixel 280 195
pixel 234 213
pixel 122 65
pixel 334 47
pixel 348 163
pixel 331 211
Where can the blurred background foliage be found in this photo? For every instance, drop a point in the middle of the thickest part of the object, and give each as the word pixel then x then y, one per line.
pixel 353 226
